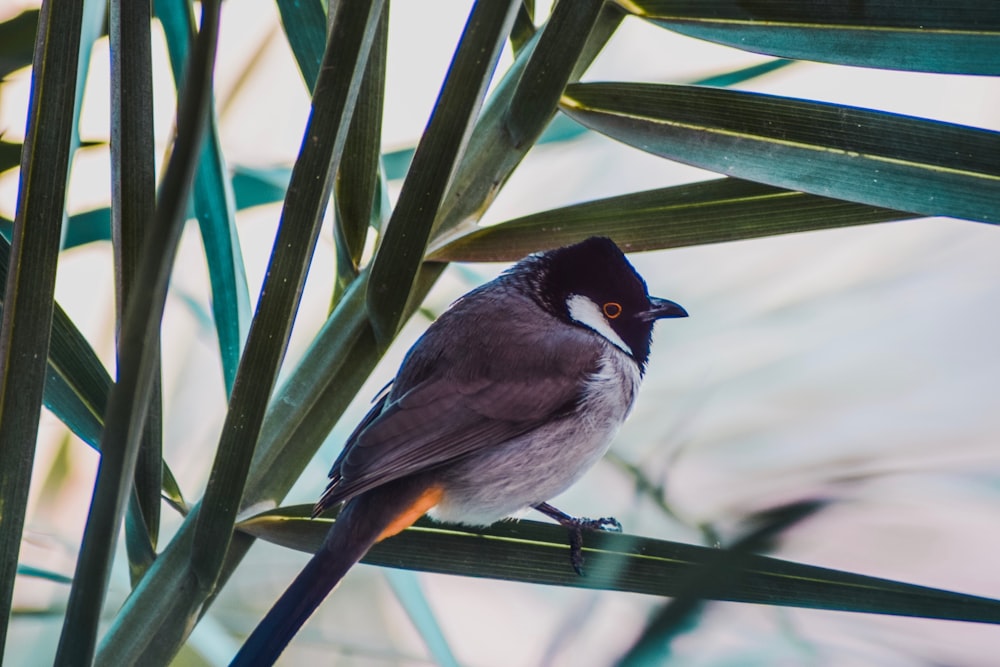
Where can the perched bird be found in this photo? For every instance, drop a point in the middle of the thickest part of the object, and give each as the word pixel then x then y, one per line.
pixel 505 401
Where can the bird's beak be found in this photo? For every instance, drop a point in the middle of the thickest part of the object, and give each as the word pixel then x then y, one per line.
pixel 660 309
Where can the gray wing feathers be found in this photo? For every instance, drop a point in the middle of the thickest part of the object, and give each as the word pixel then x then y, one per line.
pixel 479 401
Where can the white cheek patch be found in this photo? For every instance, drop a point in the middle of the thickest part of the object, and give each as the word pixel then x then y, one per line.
pixel 586 312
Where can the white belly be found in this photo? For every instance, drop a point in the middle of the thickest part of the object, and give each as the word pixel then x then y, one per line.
pixel 530 469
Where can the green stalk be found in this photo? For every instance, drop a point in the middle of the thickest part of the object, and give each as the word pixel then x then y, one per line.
pixel 29 293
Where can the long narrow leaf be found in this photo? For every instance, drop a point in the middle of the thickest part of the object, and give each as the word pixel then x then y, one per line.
pixel 506 132
pixel 214 207
pixel 533 552
pixel 524 26
pixel 726 209
pixel 76 391
pixel 872 157
pixel 77 384
pixel 10 155
pixel 402 249
pixel 91 29
pixel 16 41
pixel 547 71
pixel 304 22
pixel 356 189
pixel 133 200
pixel 560 128
pixel 254 186
pixel 156 617
pixel 742 74
pixel 353 29
pixel 138 343
pixel 30 284
pixel 162 610
pixel 716 576
pixel 406 586
pixel 38 573
pixel 286 441
pixel 960 36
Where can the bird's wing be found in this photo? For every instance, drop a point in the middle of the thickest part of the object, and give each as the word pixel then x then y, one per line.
pixel 443 418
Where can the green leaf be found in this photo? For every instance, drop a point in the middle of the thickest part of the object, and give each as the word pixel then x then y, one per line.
pixel 493 153
pixel 411 597
pixel 560 128
pixel 30 284
pixel 304 22
pixel 87 227
pixel 960 37
pixel 307 407
pixel 10 155
pixel 254 186
pixel 357 194
pixel 214 208
pixel 871 157
pixel 743 74
pixel 38 573
pixel 171 597
pixel 133 195
pixel 94 27
pixel 352 30
pixel 138 347
pixel 168 592
pixel 534 552
pixel 300 417
pixel 397 163
pixel 401 251
pixel 77 384
pixel 716 211
pixel 713 578
pixel 524 26
pixel 17 42
pixel 534 100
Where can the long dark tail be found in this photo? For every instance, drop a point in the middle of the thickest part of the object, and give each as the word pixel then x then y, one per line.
pixel 361 523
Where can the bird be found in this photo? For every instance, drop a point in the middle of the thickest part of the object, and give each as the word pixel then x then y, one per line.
pixel 507 398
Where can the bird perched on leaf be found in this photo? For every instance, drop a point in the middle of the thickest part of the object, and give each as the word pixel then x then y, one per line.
pixel 507 399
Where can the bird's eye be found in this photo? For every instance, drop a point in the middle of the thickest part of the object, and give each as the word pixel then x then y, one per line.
pixel 612 310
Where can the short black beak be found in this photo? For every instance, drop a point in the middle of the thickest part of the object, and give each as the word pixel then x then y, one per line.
pixel 660 309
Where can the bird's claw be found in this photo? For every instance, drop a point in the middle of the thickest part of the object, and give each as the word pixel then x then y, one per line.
pixel 608 524
pixel 576 526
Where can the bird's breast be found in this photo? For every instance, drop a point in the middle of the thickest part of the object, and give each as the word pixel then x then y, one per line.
pixel 536 466
pixel 611 390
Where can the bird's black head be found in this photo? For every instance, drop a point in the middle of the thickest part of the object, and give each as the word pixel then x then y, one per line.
pixel 592 284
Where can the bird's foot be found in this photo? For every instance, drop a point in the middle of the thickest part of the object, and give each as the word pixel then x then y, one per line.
pixel 576 526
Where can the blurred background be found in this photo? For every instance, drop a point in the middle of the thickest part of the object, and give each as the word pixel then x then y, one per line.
pixel 857 366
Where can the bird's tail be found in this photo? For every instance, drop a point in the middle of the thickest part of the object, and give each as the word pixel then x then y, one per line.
pixel 362 522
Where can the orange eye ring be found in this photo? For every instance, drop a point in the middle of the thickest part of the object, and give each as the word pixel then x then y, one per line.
pixel 612 310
